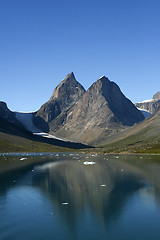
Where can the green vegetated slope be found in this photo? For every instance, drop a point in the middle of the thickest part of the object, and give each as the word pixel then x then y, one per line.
pixel 12 143
pixel 141 138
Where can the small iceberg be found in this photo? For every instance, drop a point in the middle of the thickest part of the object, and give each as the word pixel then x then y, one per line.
pixel 89 163
pixel 103 185
pixel 65 203
pixel 22 159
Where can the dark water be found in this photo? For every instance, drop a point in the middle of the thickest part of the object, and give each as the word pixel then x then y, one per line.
pixel 110 197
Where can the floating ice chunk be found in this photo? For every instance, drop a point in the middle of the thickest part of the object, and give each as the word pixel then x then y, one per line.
pixel 89 163
pixel 117 156
pixel 57 155
pixel 103 185
pixel 22 159
pixel 122 170
pixel 65 203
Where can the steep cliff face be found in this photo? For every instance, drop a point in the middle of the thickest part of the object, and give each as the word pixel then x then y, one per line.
pixel 102 110
pixel 157 96
pixel 64 96
pixel 150 105
pixel 9 116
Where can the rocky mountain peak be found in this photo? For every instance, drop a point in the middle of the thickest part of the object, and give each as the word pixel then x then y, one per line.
pixel 64 96
pixel 67 88
pixel 157 96
pixel 110 93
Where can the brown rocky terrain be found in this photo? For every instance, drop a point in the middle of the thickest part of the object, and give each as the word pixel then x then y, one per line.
pixel 53 113
pixel 71 113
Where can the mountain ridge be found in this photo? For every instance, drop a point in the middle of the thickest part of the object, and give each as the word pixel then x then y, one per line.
pixel 150 105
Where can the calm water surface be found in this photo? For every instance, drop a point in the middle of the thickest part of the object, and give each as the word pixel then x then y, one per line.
pixel 76 196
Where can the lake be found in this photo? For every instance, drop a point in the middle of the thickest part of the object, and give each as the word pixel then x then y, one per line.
pixel 67 196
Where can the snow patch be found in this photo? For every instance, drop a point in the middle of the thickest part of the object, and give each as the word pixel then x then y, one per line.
pixel 149 100
pixel 102 77
pixel 46 135
pixel 27 119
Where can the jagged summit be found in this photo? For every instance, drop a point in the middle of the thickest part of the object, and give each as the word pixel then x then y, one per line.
pixel 64 96
pixel 68 87
pixel 157 96
pixel 104 85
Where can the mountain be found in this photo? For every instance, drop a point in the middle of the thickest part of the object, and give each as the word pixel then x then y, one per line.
pixel 150 105
pixel 52 114
pixel 86 116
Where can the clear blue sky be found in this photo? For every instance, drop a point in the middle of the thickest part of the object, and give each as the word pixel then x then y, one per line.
pixel 41 41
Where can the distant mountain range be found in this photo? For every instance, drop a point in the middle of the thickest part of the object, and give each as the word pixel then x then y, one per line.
pixel 94 117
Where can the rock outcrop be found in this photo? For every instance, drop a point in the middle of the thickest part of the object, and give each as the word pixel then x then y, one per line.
pixel 157 96
pixel 150 105
pixel 8 115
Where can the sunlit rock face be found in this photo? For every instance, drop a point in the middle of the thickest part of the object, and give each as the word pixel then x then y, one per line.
pixel 78 115
pixel 53 113
pixel 157 96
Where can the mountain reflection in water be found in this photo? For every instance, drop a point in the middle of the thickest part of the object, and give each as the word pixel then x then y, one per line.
pixel 103 187
pixel 117 197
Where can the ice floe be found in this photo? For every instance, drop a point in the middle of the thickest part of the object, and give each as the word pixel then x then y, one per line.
pixel 89 163
pixel 22 159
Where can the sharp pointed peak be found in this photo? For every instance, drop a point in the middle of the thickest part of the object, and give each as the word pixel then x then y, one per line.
pixel 69 76
pixel 103 77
